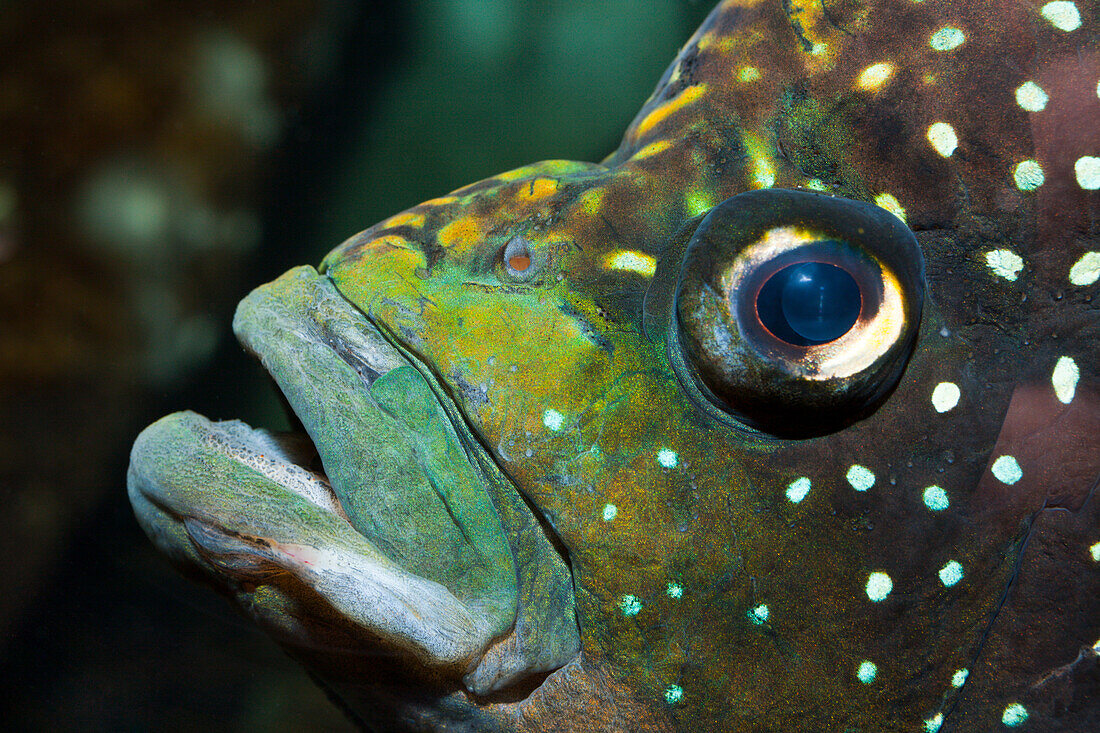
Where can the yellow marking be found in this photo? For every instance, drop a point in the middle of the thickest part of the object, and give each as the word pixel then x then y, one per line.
pixel 720 44
pixel 652 149
pixel 390 240
pixel 875 76
pixel 697 201
pixel 748 74
pixel 537 189
pixel 516 173
pixel 632 261
pixel 684 98
pixel 763 172
pixel 890 203
pixel 440 201
pixel 398 247
pixel 406 218
pixel 463 229
pixel 591 200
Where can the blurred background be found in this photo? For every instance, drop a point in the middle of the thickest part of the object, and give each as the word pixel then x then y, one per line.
pixel 158 161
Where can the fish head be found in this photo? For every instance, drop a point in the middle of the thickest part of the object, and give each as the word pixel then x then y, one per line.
pixel 784 416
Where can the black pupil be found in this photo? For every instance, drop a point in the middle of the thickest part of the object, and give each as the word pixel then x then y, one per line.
pixel 809 303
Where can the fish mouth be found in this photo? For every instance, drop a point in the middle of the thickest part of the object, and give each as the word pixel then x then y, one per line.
pixel 376 529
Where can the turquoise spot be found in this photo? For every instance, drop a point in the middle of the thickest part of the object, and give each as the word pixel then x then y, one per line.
pixel 860 477
pixel 630 605
pixel 798 489
pixel 759 614
pixel 867 672
pixel 959 678
pixel 675 590
pixel 673 693
pixel 951 573
pixel 1007 470
pixel 553 420
pixel 947 39
pixel 667 458
pixel 935 499
pixel 879 586
pixel 1014 715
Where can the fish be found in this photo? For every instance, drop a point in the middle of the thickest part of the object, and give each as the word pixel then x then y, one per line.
pixel 783 417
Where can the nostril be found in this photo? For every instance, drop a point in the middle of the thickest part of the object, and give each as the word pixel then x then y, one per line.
pixel 517 256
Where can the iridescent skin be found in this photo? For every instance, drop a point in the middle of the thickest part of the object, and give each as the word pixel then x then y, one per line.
pixel 707 598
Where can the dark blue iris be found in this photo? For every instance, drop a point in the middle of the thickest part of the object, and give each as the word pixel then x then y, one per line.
pixel 809 303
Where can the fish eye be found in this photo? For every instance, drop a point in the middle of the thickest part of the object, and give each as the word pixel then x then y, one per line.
pixel 796 312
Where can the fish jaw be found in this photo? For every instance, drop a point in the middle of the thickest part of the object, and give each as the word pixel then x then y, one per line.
pixel 403 547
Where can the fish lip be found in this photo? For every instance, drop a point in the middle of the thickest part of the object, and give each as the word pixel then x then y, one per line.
pixel 325 354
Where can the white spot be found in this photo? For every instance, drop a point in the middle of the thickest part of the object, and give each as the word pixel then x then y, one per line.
pixel 632 261
pixel 933 724
pixel 1086 270
pixel 673 693
pixel 1015 714
pixel 798 489
pixel 1007 470
pixel 947 38
pixel 879 586
pixel 1004 263
pixel 1062 15
pixel 951 573
pixel 1064 378
pixel 860 477
pixel 675 590
pixel 1031 97
pixel 943 138
pixel 866 672
pixel 945 396
pixel 816 184
pixel 1095 552
pixel 819 48
pixel 874 76
pixel 890 203
pixel 959 678
pixel 936 499
pixel 667 458
pixel 1087 169
pixel 610 511
pixel 1028 175
pixel 759 614
pixel 630 605
pixel 553 420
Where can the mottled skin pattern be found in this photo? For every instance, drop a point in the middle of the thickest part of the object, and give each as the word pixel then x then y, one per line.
pixel 772 93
